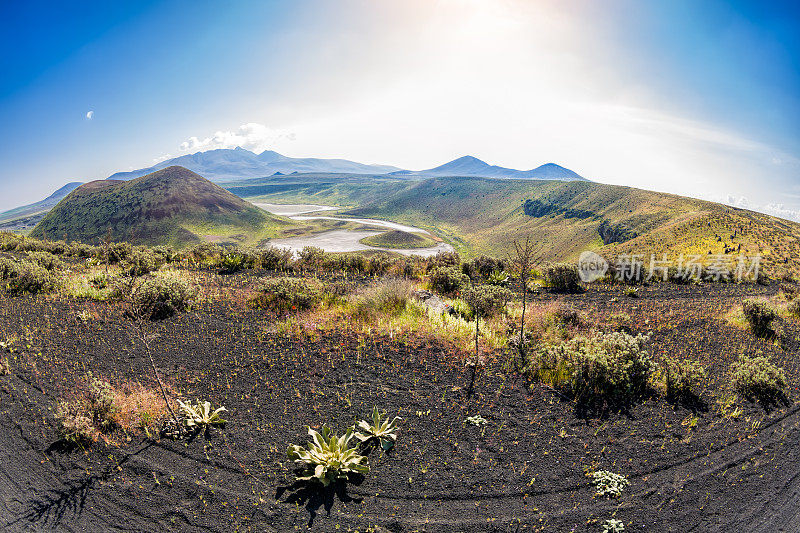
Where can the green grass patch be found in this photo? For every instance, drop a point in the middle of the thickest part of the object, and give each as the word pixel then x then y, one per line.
pixel 398 239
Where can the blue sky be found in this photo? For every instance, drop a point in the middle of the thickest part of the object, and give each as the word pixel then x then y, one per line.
pixel 693 97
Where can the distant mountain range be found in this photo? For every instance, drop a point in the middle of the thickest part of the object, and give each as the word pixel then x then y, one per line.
pixel 226 165
pixel 473 167
pixel 236 164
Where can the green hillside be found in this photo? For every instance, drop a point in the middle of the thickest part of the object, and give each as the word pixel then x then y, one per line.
pixel 346 190
pixel 484 216
pixel 171 206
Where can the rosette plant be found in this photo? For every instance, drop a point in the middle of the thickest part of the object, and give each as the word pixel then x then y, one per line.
pixel 381 429
pixel 200 417
pixel 328 459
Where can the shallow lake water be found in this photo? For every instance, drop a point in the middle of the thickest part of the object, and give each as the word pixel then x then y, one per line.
pixel 343 240
pixel 288 210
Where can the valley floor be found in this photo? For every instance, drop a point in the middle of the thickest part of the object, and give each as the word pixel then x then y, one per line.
pixel 692 468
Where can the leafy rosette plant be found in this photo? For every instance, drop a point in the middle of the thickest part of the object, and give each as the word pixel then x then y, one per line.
pixel 381 430
pixel 200 417
pixel 328 458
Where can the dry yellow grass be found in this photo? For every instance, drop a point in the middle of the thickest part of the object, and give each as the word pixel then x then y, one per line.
pixel 139 408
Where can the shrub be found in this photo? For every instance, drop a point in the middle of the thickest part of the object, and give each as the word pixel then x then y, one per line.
pixel 563 278
pixel 162 296
pixel 24 276
pixel 610 366
pixel 46 260
pixel 608 483
pixel 757 378
pixel 231 262
pixel 288 294
pixel 444 259
pixel 140 261
pixel 759 314
pixel 234 260
pixel 165 254
pixel 682 378
pixel 328 459
pixel 75 422
pixel 311 257
pixel 388 296
pixel 79 249
pixel 89 414
pixel 487 300
pixel 276 259
pixel 448 280
pixel 116 251
pixel 483 266
pixel 463 310
pixel 98 280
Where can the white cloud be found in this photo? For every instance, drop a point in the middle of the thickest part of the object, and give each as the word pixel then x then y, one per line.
pixel 774 208
pixel 252 136
pixel 90 115
pixel 779 210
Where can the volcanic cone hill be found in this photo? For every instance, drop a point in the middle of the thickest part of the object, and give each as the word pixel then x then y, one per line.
pixel 170 206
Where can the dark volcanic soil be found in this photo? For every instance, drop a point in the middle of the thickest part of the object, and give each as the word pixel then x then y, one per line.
pixel 524 471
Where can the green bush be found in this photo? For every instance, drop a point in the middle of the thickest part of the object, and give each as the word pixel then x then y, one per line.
pixel 487 300
pixel 113 253
pixel 760 314
pixel 448 280
pixel 99 280
pixel 46 260
pixel 23 276
pixel 389 296
pixel 483 266
pixel 563 278
pixel 757 378
pixel 611 366
pixel 140 261
pixel 232 262
pixel 288 294
pixel 91 412
pixel 311 257
pixel 162 296
pixel 276 259
pixel 682 378
pixel 165 254
pixel 79 249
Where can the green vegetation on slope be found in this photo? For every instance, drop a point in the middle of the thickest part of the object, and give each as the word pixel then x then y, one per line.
pixel 484 216
pixel 327 189
pixel 399 240
pixel 171 206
